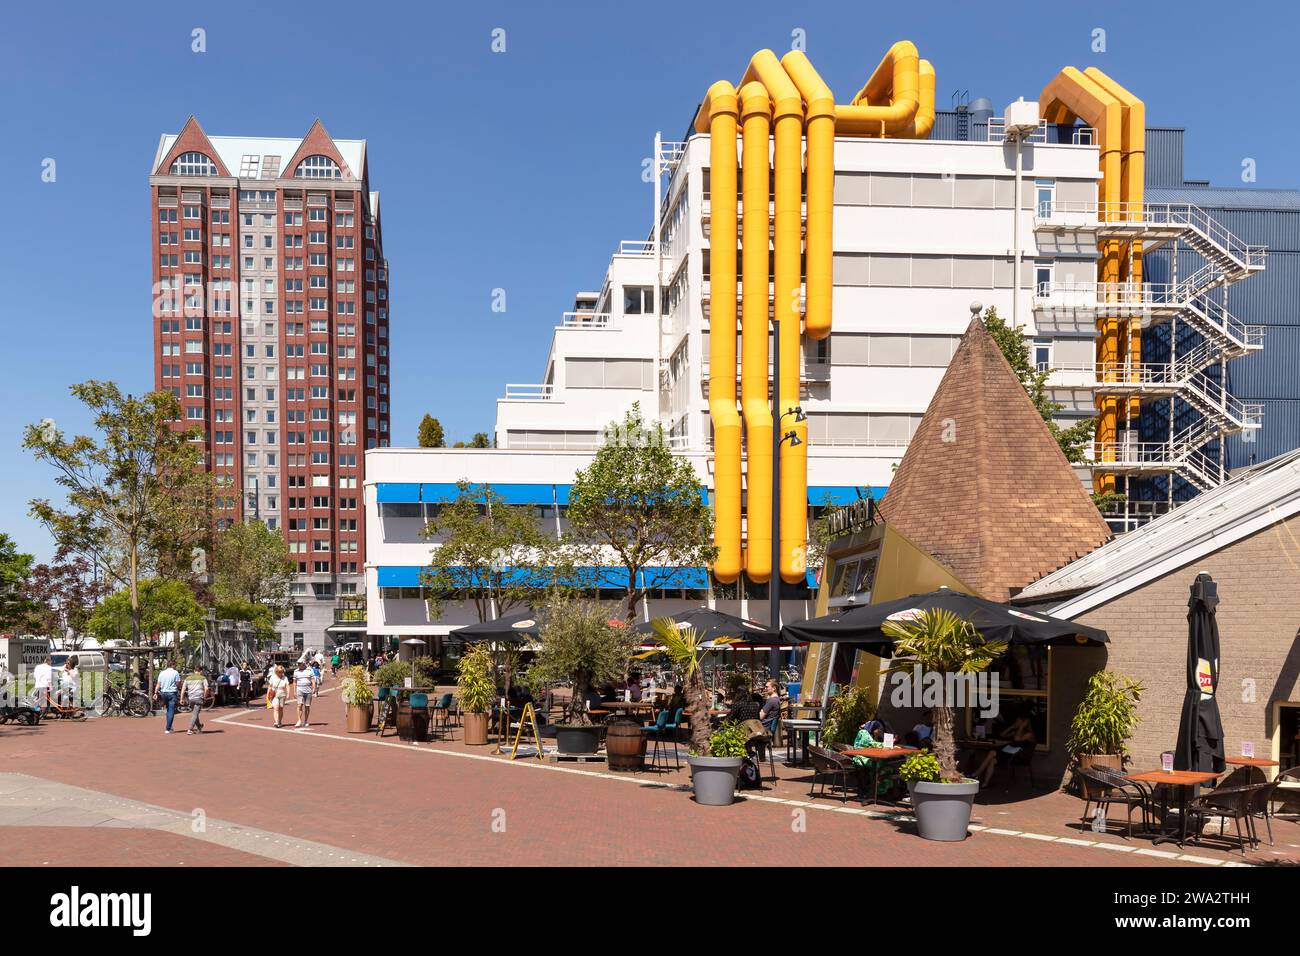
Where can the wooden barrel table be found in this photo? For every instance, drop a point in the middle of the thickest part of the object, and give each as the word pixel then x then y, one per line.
pixel 625 746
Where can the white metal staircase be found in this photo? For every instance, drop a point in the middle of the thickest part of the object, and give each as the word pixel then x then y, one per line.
pixel 1194 300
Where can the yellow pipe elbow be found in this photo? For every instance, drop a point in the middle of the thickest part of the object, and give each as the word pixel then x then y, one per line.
pixel 819 108
pixel 898 80
pixel 756 131
pixel 723 116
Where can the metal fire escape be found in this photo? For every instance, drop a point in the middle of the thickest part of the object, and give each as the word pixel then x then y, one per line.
pixel 1194 452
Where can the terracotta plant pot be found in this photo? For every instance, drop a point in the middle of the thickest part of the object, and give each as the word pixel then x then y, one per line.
pixel 358 718
pixel 476 729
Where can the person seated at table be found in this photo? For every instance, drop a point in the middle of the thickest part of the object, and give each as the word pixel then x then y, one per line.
pixel 866 740
pixel 607 692
pixel 634 688
pixel 677 701
pixel 923 729
pixel 746 707
pixel 1017 736
pixel 593 699
pixel 770 714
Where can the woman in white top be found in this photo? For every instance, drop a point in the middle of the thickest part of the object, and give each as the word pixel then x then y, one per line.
pixel 68 682
pixel 278 688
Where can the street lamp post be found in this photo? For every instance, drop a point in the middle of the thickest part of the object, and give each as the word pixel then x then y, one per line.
pixel 778 439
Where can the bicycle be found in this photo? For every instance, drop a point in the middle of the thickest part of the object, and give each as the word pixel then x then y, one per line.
pixel 115 701
pixel 57 708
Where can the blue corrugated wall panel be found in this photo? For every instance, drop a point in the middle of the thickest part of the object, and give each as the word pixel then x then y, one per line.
pixel 1164 156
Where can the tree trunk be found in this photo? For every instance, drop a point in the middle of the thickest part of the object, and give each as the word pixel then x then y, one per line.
pixel 944 744
pixel 698 697
pixel 633 597
pixel 578 703
pixel 135 601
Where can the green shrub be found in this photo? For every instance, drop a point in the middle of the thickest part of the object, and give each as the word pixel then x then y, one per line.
pixel 394 673
pixel 848 710
pixel 1106 717
pixel 921 767
pixel 729 740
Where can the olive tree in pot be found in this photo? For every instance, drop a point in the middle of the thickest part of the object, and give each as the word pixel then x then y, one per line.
pixel 355 690
pixel 940 642
pixel 1104 721
pixel 475 687
pixel 580 645
pixel 713 771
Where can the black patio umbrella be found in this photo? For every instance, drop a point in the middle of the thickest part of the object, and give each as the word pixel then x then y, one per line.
pixel 512 628
pixel 1200 730
pixel 712 625
pixel 862 624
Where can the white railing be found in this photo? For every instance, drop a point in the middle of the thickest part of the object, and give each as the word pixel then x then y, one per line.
pixel 861 442
pixel 1080 136
pixel 585 320
pixel 1182 215
pixel 516 392
pixel 635 247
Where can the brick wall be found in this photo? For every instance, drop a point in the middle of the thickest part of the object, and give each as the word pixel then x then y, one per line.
pixel 1259 618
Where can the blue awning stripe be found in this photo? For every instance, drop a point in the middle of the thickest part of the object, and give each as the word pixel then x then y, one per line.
pixel 843 494
pixel 397 492
pixel 408 576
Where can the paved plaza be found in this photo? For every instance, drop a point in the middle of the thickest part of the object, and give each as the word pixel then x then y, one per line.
pixel 119 791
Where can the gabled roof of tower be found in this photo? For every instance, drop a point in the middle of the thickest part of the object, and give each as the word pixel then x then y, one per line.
pixel 231 152
pixel 191 138
pixel 984 487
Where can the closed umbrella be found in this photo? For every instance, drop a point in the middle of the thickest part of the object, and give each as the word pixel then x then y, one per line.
pixel 1200 730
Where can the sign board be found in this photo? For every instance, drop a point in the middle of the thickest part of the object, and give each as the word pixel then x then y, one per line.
pixel 850 517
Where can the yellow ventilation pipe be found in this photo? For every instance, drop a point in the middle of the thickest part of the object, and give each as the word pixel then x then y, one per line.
pixel 887 105
pixel 819 110
pixel 756 123
pixel 721 108
pixel 1068 96
pixel 787 136
pixel 1133 182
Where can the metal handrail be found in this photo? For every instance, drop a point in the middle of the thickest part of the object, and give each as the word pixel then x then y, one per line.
pixel 517 392
pixel 635 247
pixel 996 132
pixel 585 320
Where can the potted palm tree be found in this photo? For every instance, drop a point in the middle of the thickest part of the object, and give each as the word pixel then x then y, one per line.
pixel 941 642
pixel 357 695
pixel 476 687
pixel 579 644
pixel 713 772
pixel 1105 720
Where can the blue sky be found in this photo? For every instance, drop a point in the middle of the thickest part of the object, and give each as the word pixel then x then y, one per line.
pixel 517 170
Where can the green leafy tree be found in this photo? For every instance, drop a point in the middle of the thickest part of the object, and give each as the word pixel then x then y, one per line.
pixel 1076 440
pixel 430 434
pixel 941 642
pixel 493 554
pixel 138 500
pixel 162 606
pixel 642 504
pixel 256 613
pixel 251 563
pixel 16 604
pixel 580 644
pixel 480 440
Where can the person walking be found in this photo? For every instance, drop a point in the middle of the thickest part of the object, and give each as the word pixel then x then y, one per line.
pixel 193 693
pixel 304 680
pixel 278 689
pixel 167 687
pixel 334 663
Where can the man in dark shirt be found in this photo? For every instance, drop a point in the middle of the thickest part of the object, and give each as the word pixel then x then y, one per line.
pixel 771 712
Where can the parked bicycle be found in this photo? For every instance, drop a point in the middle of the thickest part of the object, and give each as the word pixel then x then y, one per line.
pixel 116 702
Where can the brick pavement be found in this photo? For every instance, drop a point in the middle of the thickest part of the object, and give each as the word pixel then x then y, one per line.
pixel 441 804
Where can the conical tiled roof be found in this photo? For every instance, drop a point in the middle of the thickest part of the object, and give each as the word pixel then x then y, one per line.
pixel 984 487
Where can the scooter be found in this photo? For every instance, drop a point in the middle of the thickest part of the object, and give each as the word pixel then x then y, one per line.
pixel 24 711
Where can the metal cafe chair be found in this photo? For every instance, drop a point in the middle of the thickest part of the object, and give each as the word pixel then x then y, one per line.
pixel 832 767
pixel 1105 787
pixel 1229 803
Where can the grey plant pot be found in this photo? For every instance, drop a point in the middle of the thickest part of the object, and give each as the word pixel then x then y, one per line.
pixel 714 779
pixel 943 809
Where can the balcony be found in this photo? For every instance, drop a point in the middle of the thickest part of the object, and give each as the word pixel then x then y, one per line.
pixel 586 320
pixel 516 392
